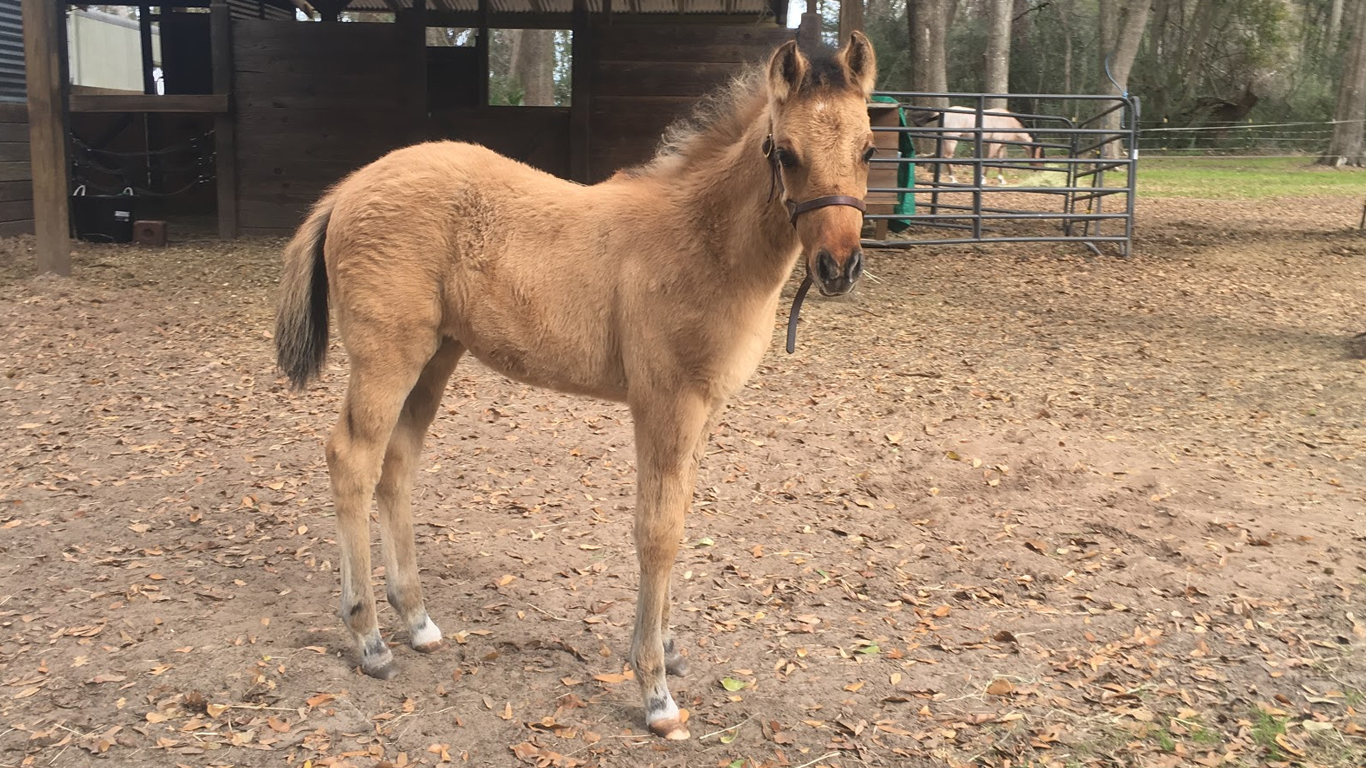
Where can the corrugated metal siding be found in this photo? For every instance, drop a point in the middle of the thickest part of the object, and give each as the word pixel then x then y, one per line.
pixel 12 52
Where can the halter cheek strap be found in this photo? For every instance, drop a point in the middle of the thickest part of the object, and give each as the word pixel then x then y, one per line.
pixel 795 209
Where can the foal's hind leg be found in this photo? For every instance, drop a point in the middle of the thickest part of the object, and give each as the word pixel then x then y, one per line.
pixel 395 497
pixel 381 378
pixel 668 428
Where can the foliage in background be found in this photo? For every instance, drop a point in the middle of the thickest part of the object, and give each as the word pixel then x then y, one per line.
pixel 1202 62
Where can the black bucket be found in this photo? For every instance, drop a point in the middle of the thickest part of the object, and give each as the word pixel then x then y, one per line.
pixel 104 218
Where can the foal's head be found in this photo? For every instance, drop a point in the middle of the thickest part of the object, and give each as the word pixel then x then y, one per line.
pixel 821 145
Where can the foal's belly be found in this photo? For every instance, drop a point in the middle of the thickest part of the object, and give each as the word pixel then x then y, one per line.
pixel 558 340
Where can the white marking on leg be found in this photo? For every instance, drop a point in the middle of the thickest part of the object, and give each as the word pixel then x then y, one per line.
pixel 426 633
pixel 668 712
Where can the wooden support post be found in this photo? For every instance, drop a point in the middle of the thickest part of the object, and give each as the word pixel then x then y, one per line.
pixel 481 52
pixel 415 19
pixel 580 98
pixel 809 32
pixel 329 10
pixel 149 80
pixel 779 9
pixel 224 129
pixel 851 18
pixel 44 33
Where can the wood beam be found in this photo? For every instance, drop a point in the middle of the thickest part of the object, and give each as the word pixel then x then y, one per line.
pixel 149 81
pixel 224 124
pixel 809 32
pixel 779 9
pixel 394 5
pixel 44 36
pixel 481 51
pixel 501 20
pixel 582 62
pixel 851 18
pixel 330 10
pixel 198 103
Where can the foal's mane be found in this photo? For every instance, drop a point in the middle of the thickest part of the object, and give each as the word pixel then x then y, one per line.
pixel 721 118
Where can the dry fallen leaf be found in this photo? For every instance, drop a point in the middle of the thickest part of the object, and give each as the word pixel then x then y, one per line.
pixel 1000 687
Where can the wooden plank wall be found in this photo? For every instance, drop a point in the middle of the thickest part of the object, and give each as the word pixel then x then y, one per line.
pixel 537 136
pixel 16 178
pixel 645 76
pixel 308 109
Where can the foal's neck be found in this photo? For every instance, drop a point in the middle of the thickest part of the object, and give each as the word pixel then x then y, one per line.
pixel 738 201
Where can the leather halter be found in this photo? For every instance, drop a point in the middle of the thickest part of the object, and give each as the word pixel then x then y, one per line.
pixel 795 209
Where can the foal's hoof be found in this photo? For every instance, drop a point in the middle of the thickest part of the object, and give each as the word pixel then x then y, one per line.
pixel 381 670
pixel 672 729
pixel 376 660
pixel 431 647
pixel 676 665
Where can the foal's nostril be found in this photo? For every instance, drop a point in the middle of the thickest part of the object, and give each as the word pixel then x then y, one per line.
pixel 854 266
pixel 826 268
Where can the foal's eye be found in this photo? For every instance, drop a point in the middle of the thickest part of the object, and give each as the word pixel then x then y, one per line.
pixel 785 158
pixel 868 154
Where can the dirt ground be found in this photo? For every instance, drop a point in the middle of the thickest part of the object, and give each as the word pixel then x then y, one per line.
pixel 1005 506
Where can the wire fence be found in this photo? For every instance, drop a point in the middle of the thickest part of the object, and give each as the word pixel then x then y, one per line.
pixel 1285 139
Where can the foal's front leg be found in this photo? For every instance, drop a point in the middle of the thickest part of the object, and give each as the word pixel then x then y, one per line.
pixel 668 433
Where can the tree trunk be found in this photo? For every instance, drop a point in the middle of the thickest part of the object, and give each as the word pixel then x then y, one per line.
pixel 1107 18
pixel 851 18
pixel 1130 35
pixel 931 61
pixel 1334 26
pixel 1203 23
pixel 1066 15
pixel 533 64
pixel 1346 146
pixel 998 51
pixel 914 47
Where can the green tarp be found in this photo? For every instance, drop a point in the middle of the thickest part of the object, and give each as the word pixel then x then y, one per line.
pixel 905 172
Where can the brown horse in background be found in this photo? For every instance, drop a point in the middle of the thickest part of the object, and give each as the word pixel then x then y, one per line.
pixel 658 288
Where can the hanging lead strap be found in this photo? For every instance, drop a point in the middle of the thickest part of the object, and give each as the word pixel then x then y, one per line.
pixel 792 316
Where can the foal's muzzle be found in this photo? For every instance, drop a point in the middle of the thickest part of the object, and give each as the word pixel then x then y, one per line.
pixel 834 280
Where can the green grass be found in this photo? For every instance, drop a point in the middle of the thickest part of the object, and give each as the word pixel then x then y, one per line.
pixel 1219 178
pixel 1265 729
pixel 1242 178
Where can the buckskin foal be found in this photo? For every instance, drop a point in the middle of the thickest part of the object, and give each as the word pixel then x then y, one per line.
pixel 657 288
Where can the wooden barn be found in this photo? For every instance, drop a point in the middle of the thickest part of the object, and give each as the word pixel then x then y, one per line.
pixel 258 105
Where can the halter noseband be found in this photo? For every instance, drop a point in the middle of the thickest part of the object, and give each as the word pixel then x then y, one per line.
pixel 795 209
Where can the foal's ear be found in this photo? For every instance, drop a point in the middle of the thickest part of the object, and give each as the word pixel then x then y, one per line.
pixel 786 70
pixel 857 56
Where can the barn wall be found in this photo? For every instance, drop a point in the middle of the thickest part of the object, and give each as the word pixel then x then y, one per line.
pixel 645 76
pixel 537 136
pixel 308 109
pixel 16 180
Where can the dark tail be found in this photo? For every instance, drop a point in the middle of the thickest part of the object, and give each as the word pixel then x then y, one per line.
pixel 301 317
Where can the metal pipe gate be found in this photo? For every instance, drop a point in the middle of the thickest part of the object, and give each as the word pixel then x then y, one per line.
pixel 1065 200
